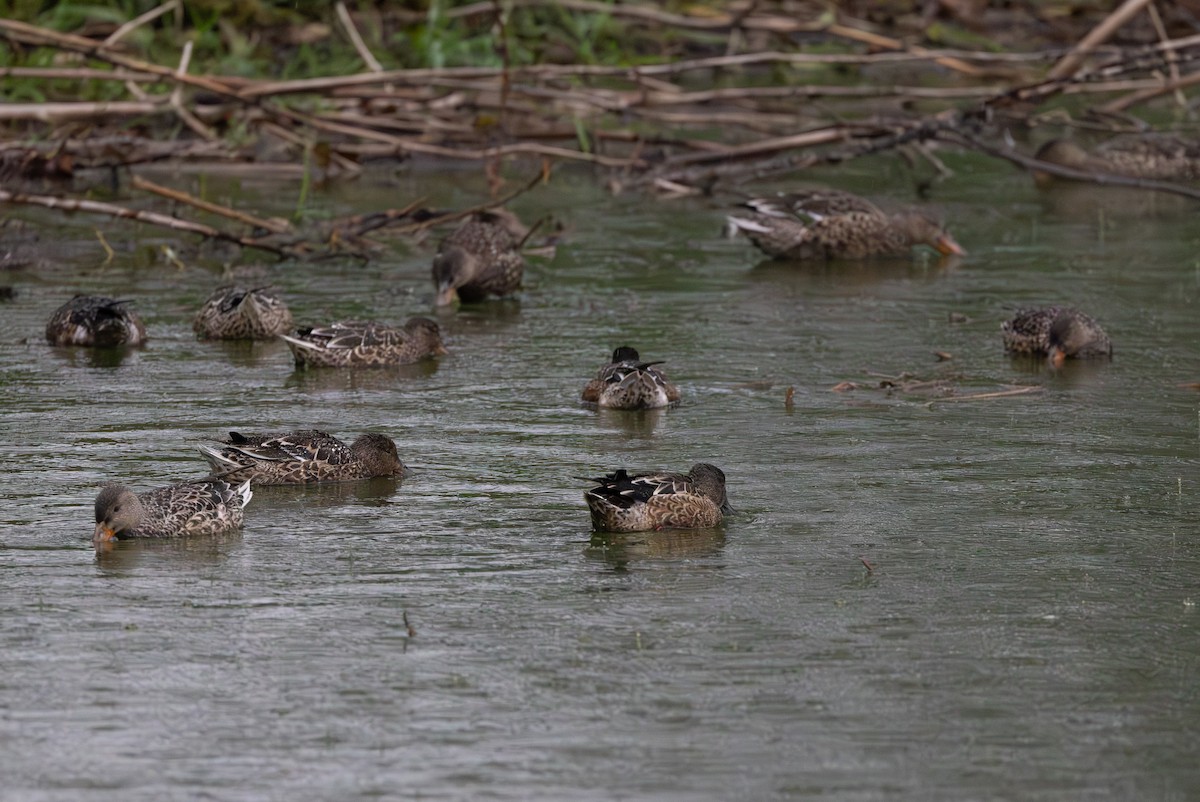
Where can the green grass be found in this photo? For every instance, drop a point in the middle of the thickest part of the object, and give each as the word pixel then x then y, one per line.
pixel 302 38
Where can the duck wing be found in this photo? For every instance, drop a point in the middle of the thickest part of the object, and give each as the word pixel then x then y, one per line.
pixel 623 490
pixel 812 205
pixel 299 446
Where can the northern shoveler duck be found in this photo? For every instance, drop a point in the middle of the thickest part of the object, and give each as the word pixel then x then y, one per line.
pixel 359 344
pixel 481 257
pixel 836 225
pixel 303 457
pixel 624 503
pixel 629 383
pixel 97 321
pixel 234 313
pixel 207 507
pixel 1057 332
pixel 1152 156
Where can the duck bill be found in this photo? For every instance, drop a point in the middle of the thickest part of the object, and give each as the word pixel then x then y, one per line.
pixel 946 246
pixel 1042 180
pixel 447 294
pixel 1057 357
pixel 103 536
pixel 440 350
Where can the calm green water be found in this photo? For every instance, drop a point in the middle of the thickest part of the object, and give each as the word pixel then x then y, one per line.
pixel 1030 630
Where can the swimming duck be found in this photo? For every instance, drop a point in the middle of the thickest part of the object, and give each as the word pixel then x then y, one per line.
pixel 208 507
pixel 365 345
pixel 302 457
pixel 624 503
pixel 1152 156
pixel 629 383
pixel 829 224
pixel 97 321
pixel 1057 332
pixel 234 313
pixel 480 258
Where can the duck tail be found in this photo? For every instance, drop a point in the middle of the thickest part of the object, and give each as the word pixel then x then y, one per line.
pixel 220 463
pixel 245 492
pixel 735 224
pixel 294 343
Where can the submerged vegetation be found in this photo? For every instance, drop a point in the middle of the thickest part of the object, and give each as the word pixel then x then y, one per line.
pixel 675 98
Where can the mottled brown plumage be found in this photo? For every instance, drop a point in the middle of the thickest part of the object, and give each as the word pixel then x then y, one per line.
pixel 480 258
pixel 234 313
pixel 629 383
pixel 1160 157
pixel 208 507
pixel 836 225
pixel 95 321
pixel 641 502
pixel 303 457
pixel 813 204
pixel 1057 332
pixel 366 345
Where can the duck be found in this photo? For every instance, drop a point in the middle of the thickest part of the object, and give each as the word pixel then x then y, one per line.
pixel 206 507
pixel 628 383
pixel 235 313
pixel 1151 156
pixel 303 457
pixel 642 502
pixel 830 224
pixel 362 344
pixel 481 257
pixel 1057 332
pixel 95 320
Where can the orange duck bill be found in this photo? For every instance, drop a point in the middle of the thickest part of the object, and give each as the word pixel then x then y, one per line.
pixel 103 534
pixel 946 246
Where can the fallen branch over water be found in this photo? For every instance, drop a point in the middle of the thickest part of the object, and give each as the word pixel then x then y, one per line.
pixel 738 106
pixel 1096 177
pixel 988 396
pixel 945 388
pixel 124 212
pixel 274 225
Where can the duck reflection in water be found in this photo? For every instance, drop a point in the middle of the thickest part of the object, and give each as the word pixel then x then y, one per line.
pixel 197 551
pixel 249 353
pixel 620 549
pixel 634 424
pixel 855 272
pixel 374 492
pixel 339 380
pixel 96 357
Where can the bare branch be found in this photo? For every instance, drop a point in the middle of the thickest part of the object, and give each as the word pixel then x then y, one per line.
pixel 140 20
pixel 113 210
pixel 356 39
pixel 1101 33
pixel 275 225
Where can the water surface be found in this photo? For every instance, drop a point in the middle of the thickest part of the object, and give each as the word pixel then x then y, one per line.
pixel 1028 630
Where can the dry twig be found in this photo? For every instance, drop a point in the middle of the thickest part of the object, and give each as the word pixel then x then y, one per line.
pixel 356 38
pixel 140 20
pixel 1101 33
pixel 275 226
pixel 999 394
pixel 154 218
